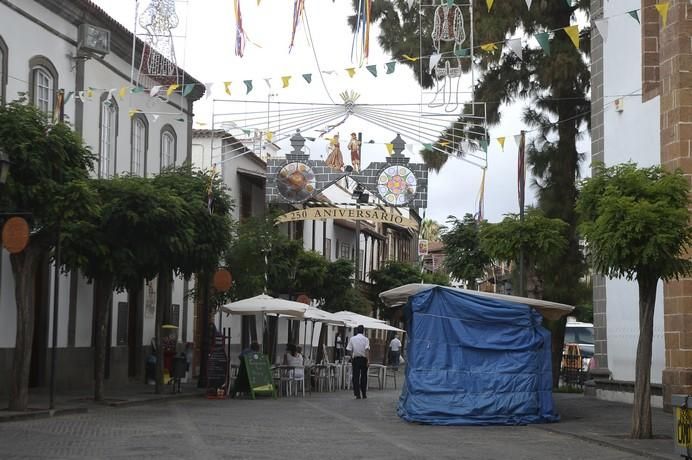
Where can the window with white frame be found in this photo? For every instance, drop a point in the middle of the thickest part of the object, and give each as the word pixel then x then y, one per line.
pixel 345 251
pixel 139 145
pixel 109 120
pixel 44 86
pixel 168 147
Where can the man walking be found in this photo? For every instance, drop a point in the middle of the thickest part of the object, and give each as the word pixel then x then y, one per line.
pixel 359 346
pixel 394 351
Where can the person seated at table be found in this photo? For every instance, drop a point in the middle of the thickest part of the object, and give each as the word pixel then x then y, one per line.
pixel 295 360
pixel 254 348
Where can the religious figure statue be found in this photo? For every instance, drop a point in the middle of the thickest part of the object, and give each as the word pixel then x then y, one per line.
pixel 354 147
pixel 448 27
pixel 335 160
pixel 158 20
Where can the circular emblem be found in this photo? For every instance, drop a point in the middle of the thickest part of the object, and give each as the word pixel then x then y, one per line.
pixel 296 181
pixel 303 299
pixel 15 234
pixel 397 185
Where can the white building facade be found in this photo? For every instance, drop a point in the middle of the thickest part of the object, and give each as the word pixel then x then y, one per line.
pixel 130 132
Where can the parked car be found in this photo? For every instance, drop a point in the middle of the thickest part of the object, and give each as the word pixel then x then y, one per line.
pixel 580 334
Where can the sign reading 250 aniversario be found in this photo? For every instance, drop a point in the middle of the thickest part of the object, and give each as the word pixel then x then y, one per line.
pixel 374 215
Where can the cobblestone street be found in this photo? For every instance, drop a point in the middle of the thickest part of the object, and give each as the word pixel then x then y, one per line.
pixel 325 425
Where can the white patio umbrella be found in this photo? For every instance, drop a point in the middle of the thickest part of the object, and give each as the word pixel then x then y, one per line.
pixel 317 315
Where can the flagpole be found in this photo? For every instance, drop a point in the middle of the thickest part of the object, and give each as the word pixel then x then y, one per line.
pixel 522 181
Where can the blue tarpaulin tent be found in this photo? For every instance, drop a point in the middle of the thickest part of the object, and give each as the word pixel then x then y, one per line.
pixel 475 360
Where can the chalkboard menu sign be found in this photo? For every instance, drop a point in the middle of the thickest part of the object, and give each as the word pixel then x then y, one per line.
pixel 254 376
pixel 217 370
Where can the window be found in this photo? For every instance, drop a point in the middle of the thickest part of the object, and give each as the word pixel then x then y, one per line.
pixel 108 133
pixel 168 146
pixel 3 70
pixel 245 201
pixel 345 251
pixel 140 142
pixel 328 248
pixel 43 82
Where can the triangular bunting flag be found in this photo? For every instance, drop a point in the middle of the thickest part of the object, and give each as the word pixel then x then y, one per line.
pixel 427 146
pixel 444 143
pixel 154 90
pixel 634 15
pixel 246 131
pixel 484 145
pixel 463 52
pixel 543 39
pixel 517 138
pixel 501 141
pixel 410 3
pixel 248 86
pixel 351 71
pixel 390 148
pixel 286 79
pixel 515 46
pixel 268 81
pixel 187 89
pixel 390 66
pixel 90 93
pixel 227 87
pixel 528 4
pixel 662 9
pixel 450 2
pixel 329 72
pixel 171 89
pixel 434 59
pixel 490 4
pixel 68 96
pixel 372 69
pixel 80 96
pixel 308 77
pixel 602 26
pixel 207 90
pixel 573 34
pixel 110 94
pixel 137 90
pixel 489 47
pixel 131 113
pixel 409 58
pixel 155 117
pixel 409 148
pixel 269 135
pixel 122 92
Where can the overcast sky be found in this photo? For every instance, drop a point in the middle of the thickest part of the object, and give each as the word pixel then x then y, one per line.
pixel 206 50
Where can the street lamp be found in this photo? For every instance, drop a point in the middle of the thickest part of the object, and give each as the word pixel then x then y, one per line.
pixel 4 167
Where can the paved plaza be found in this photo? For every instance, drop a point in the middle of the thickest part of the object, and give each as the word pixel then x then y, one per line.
pixel 321 426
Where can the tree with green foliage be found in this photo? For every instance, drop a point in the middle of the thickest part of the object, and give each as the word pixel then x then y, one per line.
pixel 430 230
pixel 464 257
pixel 48 178
pixel 636 222
pixel 553 86
pixel 393 274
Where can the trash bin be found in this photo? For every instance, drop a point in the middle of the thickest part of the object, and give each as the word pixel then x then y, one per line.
pixel 178 372
pixel 682 425
pixel 150 369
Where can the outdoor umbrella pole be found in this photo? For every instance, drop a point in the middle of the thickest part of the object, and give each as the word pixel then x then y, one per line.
pixel 305 335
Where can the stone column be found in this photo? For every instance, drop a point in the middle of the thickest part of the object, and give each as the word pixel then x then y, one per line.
pixel 675 67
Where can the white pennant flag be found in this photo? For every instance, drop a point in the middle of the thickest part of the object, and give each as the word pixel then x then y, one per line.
pixel 602 26
pixel 409 147
pixel 410 4
pixel 515 46
pixel 110 93
pixel 154 90
pixel 517 138
pixel 434 59
pixel 80 96
pixel 528 4
pixel 232 124
pixel 268 82
pixel 207 90
pixel 155 117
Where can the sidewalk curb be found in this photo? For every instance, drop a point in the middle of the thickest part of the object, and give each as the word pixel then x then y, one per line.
pixel 43 414
pixel 164 398
pixel 604 443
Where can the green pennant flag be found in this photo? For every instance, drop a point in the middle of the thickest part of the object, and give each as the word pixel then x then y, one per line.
pixel 246 131
pixel 634 15
pixel 463 52
pixel 450 2
pixel 180 119
pixel 187 89
pixel 544 40
pixel 68 96
pixel 390 67
pixel 570 3
pixel 248 85
pixel 137 90
pixel 484 145
pixel 427 146
pixel 308 77
pixel 372 69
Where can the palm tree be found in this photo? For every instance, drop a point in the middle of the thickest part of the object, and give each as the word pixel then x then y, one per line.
pixel 430 230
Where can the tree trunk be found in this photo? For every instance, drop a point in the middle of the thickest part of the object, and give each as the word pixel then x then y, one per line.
pixel 24 267
pixel 641 411
pixel 557 339
pixel 163 301
pixel 103 296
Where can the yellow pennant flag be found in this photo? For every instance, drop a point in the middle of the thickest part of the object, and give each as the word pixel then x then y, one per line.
pixel 227 87
pixel 269 135
pixel 131 113
pixel 171 88
pixel 490 4
pixel 489 47
pixel 501 140
pixel 409 58
pixel 351 71
pixel 122 92
pixel 444 143
pixel 573 34
pixel 286 79
pixel 89 93
pixel 662 9
pixel 390 148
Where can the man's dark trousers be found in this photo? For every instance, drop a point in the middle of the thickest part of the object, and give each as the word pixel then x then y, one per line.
pixel 360 376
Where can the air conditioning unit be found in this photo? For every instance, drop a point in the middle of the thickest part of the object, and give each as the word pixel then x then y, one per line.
pixel 94 40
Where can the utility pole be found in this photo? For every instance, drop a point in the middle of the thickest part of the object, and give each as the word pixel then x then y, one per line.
pixel 358 194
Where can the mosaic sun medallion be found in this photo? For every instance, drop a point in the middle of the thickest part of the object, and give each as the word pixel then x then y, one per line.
pixel 296 181
pixel 397 185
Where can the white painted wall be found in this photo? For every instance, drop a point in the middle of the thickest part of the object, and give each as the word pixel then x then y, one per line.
pixel 630 135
